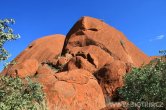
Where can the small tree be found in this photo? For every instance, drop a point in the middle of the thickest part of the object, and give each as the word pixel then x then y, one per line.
pixel 16 93
pixel 6 34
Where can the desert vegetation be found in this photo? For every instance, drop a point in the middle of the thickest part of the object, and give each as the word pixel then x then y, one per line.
pixel 145 86
pixel 17 93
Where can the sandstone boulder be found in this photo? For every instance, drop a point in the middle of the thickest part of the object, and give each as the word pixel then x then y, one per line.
pixel 74 90
pixel 41 50
pixel 45 75
pixel 110 77
pixel 90 31
pixel 25 69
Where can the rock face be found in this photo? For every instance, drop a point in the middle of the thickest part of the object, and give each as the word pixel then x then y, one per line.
pixel 40 50
pixel 82 71
pixel 70 90
pixel 73 90
pixel 90 31
pixel 108 51
pixel 24 69
pixel 110 77
pixel 46 48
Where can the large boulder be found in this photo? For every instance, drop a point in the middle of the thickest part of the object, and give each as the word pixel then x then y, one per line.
pixel 73 90
pixel 47 48
pixel 90 31
pixel 24 69
pixel 110 78
pixel 105 51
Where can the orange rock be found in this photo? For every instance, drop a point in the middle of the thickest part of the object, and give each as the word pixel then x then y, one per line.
pixel 45 75
pixel 110 77
pixel 90 31
pixel 25 69
pixel 45 69
pixel 62 61
pixel 111 53
pixel 79 62
pixel 42 50
pixel 73 90
pixel 93 54
pixel 91 48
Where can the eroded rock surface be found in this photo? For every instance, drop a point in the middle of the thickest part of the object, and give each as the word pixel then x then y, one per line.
pixel 81 71
pixel 74 90
pixel 91 31
pixel 40 50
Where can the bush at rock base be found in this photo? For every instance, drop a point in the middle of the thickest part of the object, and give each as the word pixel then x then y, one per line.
pixel 146 85
pixel 18 94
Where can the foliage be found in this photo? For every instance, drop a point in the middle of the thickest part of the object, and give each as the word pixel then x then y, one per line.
pixel 6 34
pixel 146 84
pixel 18 94
pixel 162 52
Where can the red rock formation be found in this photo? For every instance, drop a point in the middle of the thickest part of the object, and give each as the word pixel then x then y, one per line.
pixel 89 68
pixel 40 50
pixel 72 90
pixel 93 54
pixel 46 48
pixel 79 62
pixel 90 31
pixel 110 77
pixel 104 47
pixel 24 69
pixel 68 90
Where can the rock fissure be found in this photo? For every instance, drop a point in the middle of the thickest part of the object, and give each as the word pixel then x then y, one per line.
pixel 92 42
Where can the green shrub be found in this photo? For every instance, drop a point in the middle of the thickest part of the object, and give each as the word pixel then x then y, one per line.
pixel 146 85
pixel 162 52
pixel 18 94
